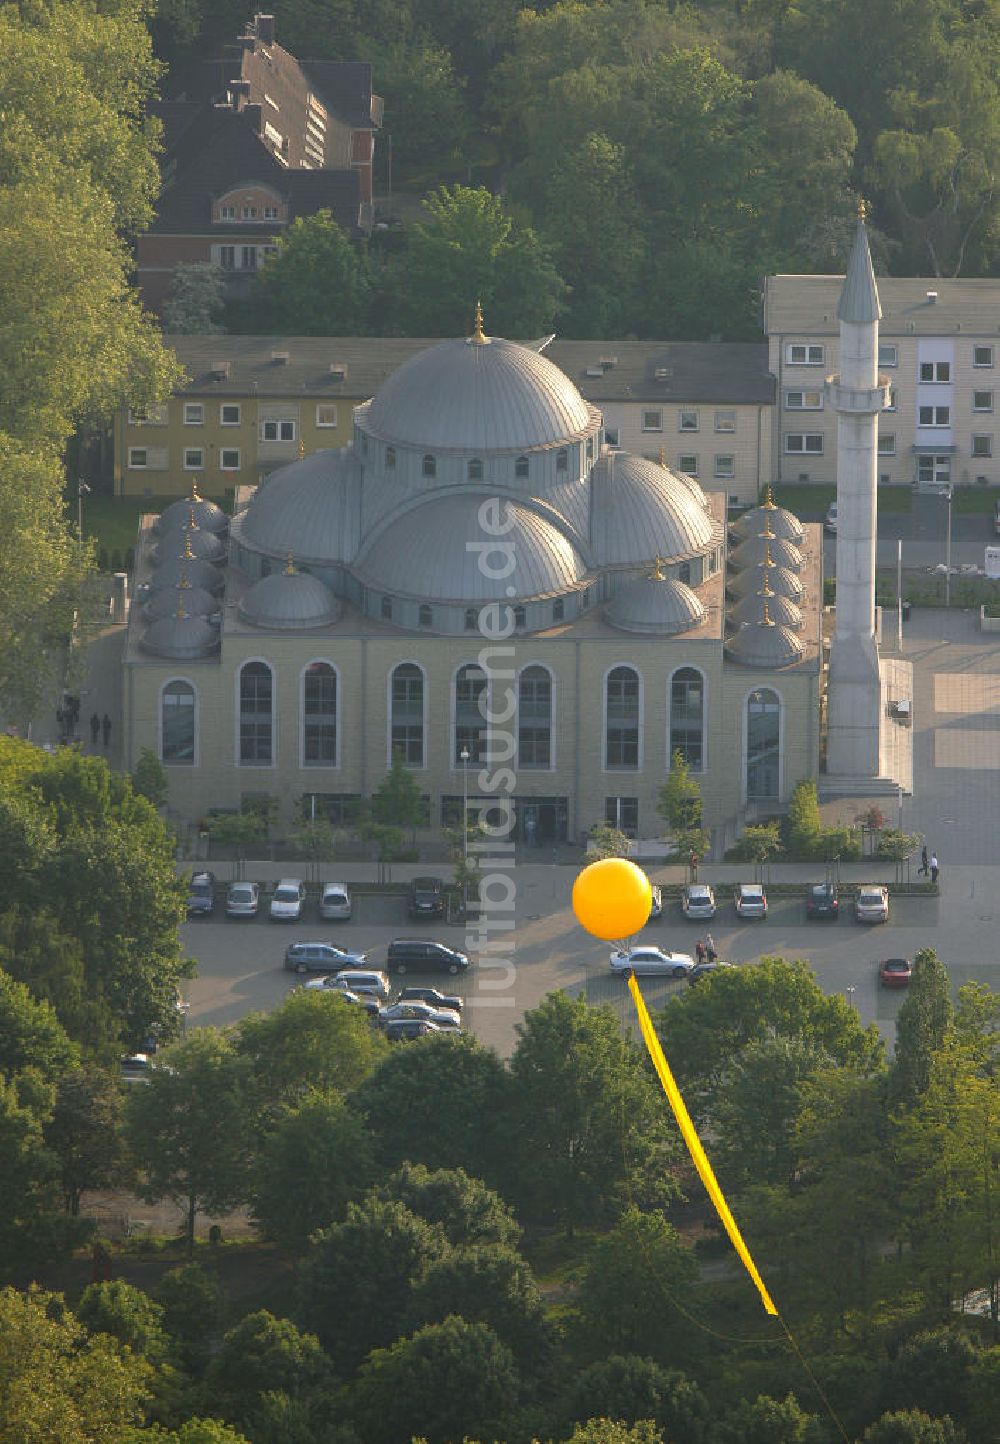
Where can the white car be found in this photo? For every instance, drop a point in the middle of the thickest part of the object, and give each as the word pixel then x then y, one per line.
pixel 646 960
pixel 442 1017
pixel 287 900
pixel 335 901
pixel 872 905
pixel 750 900
pixel 830 520
pixel 698 901
pixel 656 906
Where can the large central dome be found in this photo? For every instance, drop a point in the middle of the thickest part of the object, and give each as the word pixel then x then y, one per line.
pixel 477 396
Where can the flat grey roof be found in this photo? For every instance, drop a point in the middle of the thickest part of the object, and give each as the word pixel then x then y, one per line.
pixel 807 306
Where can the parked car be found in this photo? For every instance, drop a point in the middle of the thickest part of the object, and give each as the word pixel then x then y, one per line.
pixel 895 972
pixel 822 900
pixel 342 989
pixel 321 958
pixel 698 901
pixel 702 970
pixel 288 900
pixel 201 895
pixel 750 900
pixel 416 994
pixel 413 955
pixel 444 1017
pixel 368 983
pixel 830 520
pixel 656 906
pixel 136 1068
pixel 872 905
pixel 426 898
pixel 647 960
pixel 403 1030
pixel 335 902
pixel 242 900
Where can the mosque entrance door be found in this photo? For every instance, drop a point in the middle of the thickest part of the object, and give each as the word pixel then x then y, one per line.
pixel 541 820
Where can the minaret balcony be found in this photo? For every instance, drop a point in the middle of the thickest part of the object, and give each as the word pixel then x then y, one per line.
pixel 857 400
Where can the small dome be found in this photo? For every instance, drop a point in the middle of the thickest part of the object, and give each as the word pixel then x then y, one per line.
pixel 781 581
pixel 434 552
pixel 181 636
pixel 305 508
pixel 655 604
pixel 764 644
pixel 196 601
pixel 287 600
pixel 204 544
pixel 198 572
pixel 478 395
pixel 206 514
pixel 779 522
pixel 779 609
pixel 642 510
pixel 755 548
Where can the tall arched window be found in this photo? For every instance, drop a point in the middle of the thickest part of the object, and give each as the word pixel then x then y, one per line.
pixel 763 744
pixel 562 459
pixel 430 466
pixel 534 717
pixel 177 724
pixel 406 720
pixel 319 715
pixel 521 466
pixel 256 715
pixel 470 724
pixel 475 469
pixel 390 458
pixel 425 615
pixel 621 715
pixel 687 718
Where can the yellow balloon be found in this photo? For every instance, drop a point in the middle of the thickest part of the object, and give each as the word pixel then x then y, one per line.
pixel 612 899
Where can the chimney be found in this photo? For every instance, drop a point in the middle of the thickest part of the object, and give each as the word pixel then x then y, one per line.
pixel 265 29
pixel 338 371
pixel 281 358
pixel 219 370
pixel 239 93
pixel 931 297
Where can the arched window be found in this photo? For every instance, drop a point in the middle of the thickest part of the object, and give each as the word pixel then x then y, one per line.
pixel 684 573
pixel 520 618
pixel 590 448
pixel 534 717
pixel 521 467
pixel 471 619
pixel 621 716
pixel 387 609
pixel 430 466
pixel 558 609
pixel 763 744
pixel 687 718
pixel 177 724
pixel 319 715
pixel 475 469
pixel 390 458
pixel 406 723
pixel 470 724
pixel 426 616
pixel 256 715
pixel 562 459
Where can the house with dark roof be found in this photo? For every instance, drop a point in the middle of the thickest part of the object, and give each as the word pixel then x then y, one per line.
pixel 253 142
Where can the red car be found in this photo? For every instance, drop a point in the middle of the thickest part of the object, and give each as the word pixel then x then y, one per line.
pixel 895 972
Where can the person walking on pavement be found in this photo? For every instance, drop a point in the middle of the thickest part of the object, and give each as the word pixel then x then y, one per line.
pixel 699 951
pixel 934 867
pixel 923 868
pixel 106 728
pixel 95 728
pixel 710 952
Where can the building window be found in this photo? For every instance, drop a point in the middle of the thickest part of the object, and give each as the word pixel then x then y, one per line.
pixel 612 437
pixel 227 258
pixel 725 421
pixel 227 213
pixel 151 416
pixel 982 446
pixel 534 718
pixel 425 615
pixel 725 467
pixel 248 258
pixel 472 619
pixel 810 442
pixel 562 459
pixel 474 470
pixel 319 715
pixel 326 414
pixel 936 371
pixel 229 413
pixel 277 431
pixel 390 458
pixel 338 808
pixel 249 213
pixel 429 466
pixel 194 413
pixel 519 618
pixel 558 609
pixel 229 458
pixel 803 401
pixel 652 421
pixel 386 609
pixel 621 717
pixel 935 415
pixel 688 464
pixel 888 356
pixel 590 448
pixel 763 744
pixel 887 443
pixel 934 469
pixel 194 458
pixel 982 355
pixel 177 724
pixel 406 724
pixel 256 715
pixel 622 813
pixel 687 718
pixel 687 421
pixel 982 400
pixel 890 405
pixel 798 353
pixel 470 704
pixel 270 213
pixel 521 467
pixel 137 458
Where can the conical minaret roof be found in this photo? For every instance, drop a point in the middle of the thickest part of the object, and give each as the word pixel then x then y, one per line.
pixel 859 299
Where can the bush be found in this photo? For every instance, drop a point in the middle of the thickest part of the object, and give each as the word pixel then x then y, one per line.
pixel 803 825
pixel 757 844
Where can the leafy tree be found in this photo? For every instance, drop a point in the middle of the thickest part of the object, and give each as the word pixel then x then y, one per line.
pixel 354 1287
pixel 760 841
pixel 913 1426
pixel 197 298
pixel 424 104
pixel 85 1132
pixel 192 1304
pixel 769 1421
pixel 607 841
pixel 450 1380
pixel 632 1388
pixel 588 1122
pixel 398 801
pixel 615 1431
pixel 679 799
pixel 240 830
pixel 34 1231
pixel 492 1285
pixel 192 1431
pixel 318 839
pixel 31 1035
pixel 316 285
pixel 315 1159
pixel 262 1355
pixel 471 1214
pixel 188 1128
pixel 804 820
pixel 127 1314
pixel 388 843
pixel 921 1027
pixel 932 1371
pixel 149 780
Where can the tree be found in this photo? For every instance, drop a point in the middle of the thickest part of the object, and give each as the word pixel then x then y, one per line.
pixel 85 1132
pixel 769 1421
pixel 197 298
pixel 630 1278
pixel 192 1304
pixel 804 820
pixel 318 839
pixel 127 1314
pixel 188 1128
pixel 398 800
pixel 263 1355
pixel 679 804
pixel 424 104
pixel 607 841
pixel 34 1231
pixel 149 780
pixel 31 1035
pixel 192 1431
pixel 587 1120
pixel 388 843
pixel 471 1214
pixel 913 1426
pixel 452 1380
pixel 632 1388
pixel 933 1371
pixel 317 284
pixel 493 1285
pixel 921 1027
pixel 759 841
pixel 240 830
pixel 614 1431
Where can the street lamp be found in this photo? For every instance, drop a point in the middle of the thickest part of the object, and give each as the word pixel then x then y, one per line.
pixel 82 490
pixel 850 996
pixel 464 759
pixel 947 554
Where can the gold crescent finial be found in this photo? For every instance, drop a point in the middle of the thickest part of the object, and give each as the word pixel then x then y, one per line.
pixel 290 568
pixel 302 448
pixel 663 457
pixel 194 489
pixel 766 620
pixel 768 502
pixel 657 574
pixel 862 209
pixel 183 579
pixel 188 553
pixel 478 335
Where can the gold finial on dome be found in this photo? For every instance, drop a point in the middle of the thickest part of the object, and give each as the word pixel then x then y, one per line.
pixel 189 555
pixel 768 502
pixel 862 209
pixel 302 448
pixel 182 580
pixel 290 568
pixel 766 620
pixel 194 489
pixel 478 336
pixel 181 611
pixel 657 574
pixel 191 518
pixel 663 457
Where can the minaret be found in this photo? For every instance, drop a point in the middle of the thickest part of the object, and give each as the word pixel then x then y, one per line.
pixel 857 394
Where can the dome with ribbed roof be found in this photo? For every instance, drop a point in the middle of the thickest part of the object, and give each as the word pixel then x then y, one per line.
pixel 181 636
pixel 753 607
pixel 756 548
pixel 642 510
pixel 655 604
pixel 204 544
pixel 782 581
pixel 196 601
pixel 764 644
pixel 308 508
pixel 776 519
pixel 288 600
pixel 196 570
pixel 206 514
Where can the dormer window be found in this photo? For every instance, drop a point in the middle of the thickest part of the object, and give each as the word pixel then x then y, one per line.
pixel 475 470
pixel 249 213
pixel 429 466
pixel 521 467
pixel 227 213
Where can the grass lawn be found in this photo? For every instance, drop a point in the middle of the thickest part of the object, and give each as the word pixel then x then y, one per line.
pixel 112 521
pixel 809 503
pixel 978 500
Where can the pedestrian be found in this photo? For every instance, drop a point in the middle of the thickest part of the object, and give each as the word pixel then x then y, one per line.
pixel 693 863
pixel 710 948
pixel 699 950
pixel 95 728
pixel 934 867
pixel 923 861
pixel 106 728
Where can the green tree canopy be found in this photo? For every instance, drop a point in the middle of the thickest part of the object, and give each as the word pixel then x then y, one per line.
pixel 470 1213
pixel 127 1314
pixel 262 1355
pixel 492 1285
pixel 921 1027
pixel 85 1133
pixel 632 1387
pixel 31 1035
pixel 316 285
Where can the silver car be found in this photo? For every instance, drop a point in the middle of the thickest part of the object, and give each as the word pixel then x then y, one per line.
pixel 442 1017
pixel 287 900
pixel 872 905
pixel 652 961
pixel 698 901
pixel 242 900
pixel 335 902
